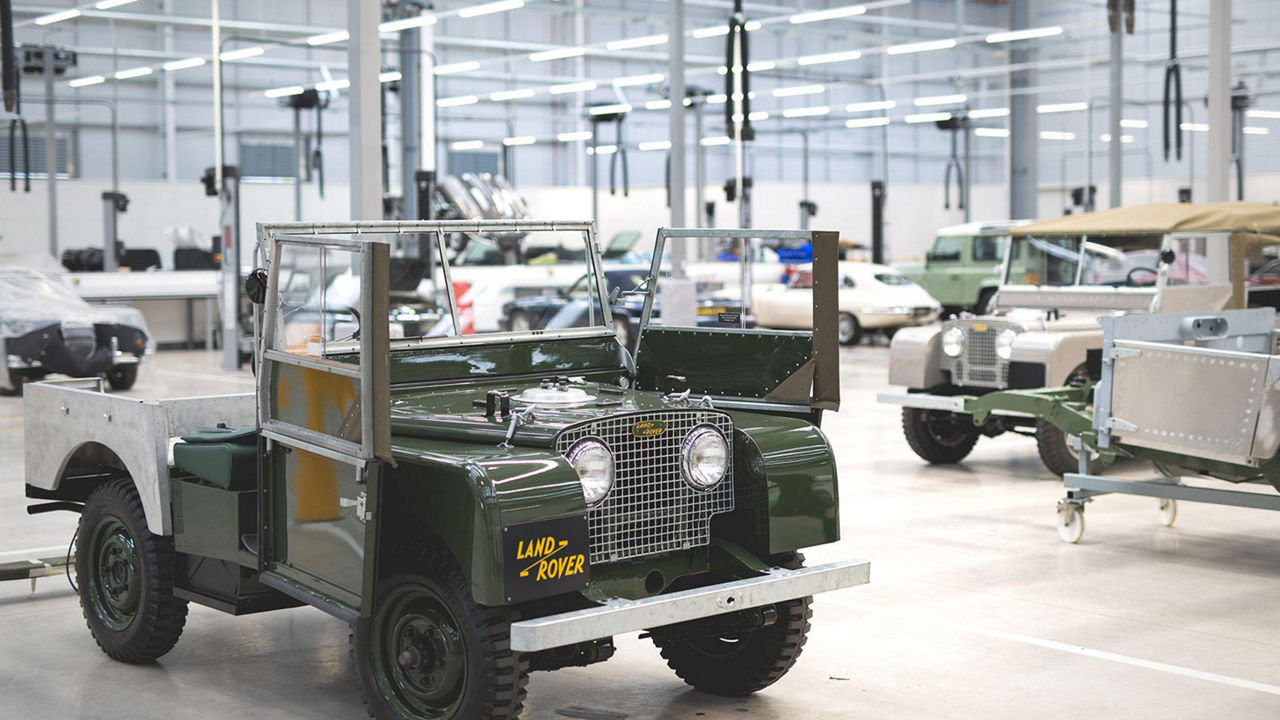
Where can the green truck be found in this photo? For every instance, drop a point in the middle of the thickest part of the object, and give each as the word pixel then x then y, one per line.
pixel 477 507
pixel 962 269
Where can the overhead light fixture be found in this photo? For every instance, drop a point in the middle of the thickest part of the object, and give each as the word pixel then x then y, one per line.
pixel 798 90
pixel 602 150
pixel 830 57
pixel 940 100
pixel 505 95
pixel 86 81
pixel 615 109
pixel 1251 130
pixel 869 106
pixel 466 145
pixel 285 91
pixel 926 46
pixel 109 4
pixel 927 117
pixel 330 37
pixel 832 14
pixel 633 43
pixel 58 17
pixel 1056 135
pixel 707 32
pixel 183 64
pixel 752 25
pixel 519 140
pixel 1263 114
pixel 242 54
pixel 576 87
pixel 717 99
pixel 575 136
pixel 1194 127
pixel 985 113
pixel 133 73
pixel 1061 107
pixel 1134 123
pixel 331 85
pixel 806 112
pixel 658 105
pixel 655 145
pixel 1106 138
pixel 557 54
pixel 716 140
pixel 761 65
pixel 408 23
pixel 991 132
pixel 866 122
pixel 458 67
pixel 490 8
pixel 390 76
pixel 635 80
pixel 458 101
pixel 758 116
pixel 1028 34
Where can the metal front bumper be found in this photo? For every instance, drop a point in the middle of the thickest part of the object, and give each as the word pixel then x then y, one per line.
pixel 946 403
pixel 623 616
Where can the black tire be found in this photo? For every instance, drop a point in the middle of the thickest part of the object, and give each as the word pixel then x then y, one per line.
pixel 849 330
pixel 746 662
pixel 122 377
pixel 937 436
pixel 126 577
pixel 395 686
pixel 622 330
pixel 16 379
pixel 983 305
pixel 1054 445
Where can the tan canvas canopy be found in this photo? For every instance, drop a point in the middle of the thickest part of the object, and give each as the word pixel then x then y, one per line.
pixel 1248 218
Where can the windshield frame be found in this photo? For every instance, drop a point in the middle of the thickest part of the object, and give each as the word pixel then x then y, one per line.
pixel 1086 241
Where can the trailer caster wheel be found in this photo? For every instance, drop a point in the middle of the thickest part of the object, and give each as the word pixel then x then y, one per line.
pixel 1071 523
pixel 1168 512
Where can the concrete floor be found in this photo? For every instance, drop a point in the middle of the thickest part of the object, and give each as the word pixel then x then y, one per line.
pixel 975 609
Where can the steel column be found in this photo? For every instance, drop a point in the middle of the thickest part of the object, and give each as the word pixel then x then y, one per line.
pixel 1219 168
pixel 364 109
pixel 675 81
pixel 51 148
pixel 1023 172
pixel 1115 173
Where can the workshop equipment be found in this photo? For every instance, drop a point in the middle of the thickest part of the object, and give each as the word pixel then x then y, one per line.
pixel 1173 89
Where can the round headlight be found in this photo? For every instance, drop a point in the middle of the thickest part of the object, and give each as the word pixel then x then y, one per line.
pixel 704 457
pixel 1004 343
pixel 594 464
pixel 953 342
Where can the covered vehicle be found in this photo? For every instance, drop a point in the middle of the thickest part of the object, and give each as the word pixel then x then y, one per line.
pixel 46 328
pixel 1059 276
pixel 872 298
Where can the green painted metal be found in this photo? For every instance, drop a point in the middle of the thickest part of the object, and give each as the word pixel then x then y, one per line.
pixel 725 363
pixel 115 573
pixel 419 650
pixel 209 521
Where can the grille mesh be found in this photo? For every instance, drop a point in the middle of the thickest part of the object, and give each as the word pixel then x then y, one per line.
pixel 979 365
pixel 651 509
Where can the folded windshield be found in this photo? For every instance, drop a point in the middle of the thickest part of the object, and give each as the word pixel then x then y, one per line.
pixel 1113 262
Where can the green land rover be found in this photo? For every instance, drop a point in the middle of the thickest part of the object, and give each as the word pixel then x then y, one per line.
pixel 962 269
pixel 476 506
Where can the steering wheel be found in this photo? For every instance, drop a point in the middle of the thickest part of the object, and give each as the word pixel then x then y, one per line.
pixel 356 314
pixel 1130 282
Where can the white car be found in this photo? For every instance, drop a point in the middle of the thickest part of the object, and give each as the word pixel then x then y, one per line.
pixel 872 298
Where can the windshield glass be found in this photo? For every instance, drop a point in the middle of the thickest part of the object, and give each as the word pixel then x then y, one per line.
pixel 1108 262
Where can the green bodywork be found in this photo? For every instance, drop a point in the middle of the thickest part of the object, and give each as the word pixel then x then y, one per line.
pixel 959 268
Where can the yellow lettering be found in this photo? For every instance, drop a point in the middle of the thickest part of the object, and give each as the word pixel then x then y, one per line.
pixel 577 565
pixel 542 571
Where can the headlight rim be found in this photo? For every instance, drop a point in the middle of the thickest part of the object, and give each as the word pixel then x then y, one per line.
pixel 686 444
pixel 1003 351
pixel 959 344
pixel 581 446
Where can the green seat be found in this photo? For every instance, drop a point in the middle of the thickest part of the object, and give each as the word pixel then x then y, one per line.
pixel 226 457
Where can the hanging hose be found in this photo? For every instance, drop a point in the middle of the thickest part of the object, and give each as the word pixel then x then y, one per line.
pixel 8 63
pixel 738 37
pixel 317 155
pixel 953 162
pixel 1173 89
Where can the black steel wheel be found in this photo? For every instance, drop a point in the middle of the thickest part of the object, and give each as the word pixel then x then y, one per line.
pixel 122 377
pixel 849 330
pixel 937 436
pixel 126 577
pixel 430 652
pixel 739 663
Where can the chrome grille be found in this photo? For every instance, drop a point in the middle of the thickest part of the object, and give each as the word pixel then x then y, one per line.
pixel 979 365
pixel 651 509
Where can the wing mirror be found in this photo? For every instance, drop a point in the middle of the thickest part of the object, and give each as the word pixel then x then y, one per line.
pixel 255 286
pixel 1168 256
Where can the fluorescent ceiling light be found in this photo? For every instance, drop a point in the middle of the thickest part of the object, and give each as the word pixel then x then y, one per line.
pixel 519 140
pixel 1106 138
pixel 490 8
pixel 761 65
pixel 1056 135
pixel 585 86
pixel 717 99
pixel 242 54
pixel 390 76
pixel 752 25
pixel 133 73
pixel 633 43
pixel 829 57
pixel 806 112
pixel 658 105
pixel 558 54
pixel 921 47
pixel 991 132
pixel 928 117
pixel 866 122
pixel 86 81
pixel 1028 34
pixel 602 150
pixel 190 62
pixel 504 95
pixel 1194 127
pixel 940 100
pixel 457 101
pixel 832 14
pixel 58 17
pixel 330 85
pixel 869 106
pixel 655 145
pixel 707 32
pixel 1263 114
pixel 634 80
pixel 1062 107
pixel 285 91
pixel 717 140
pixel 331 37
pixel 466 145
pixel 450 68
pixel 610 109
pixel 1134 123
pixel 574 136
pixel 408 23
pixel 108 4
pixel 758 116
pixel 799 90
pixel 1249 130
pixel 988 113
